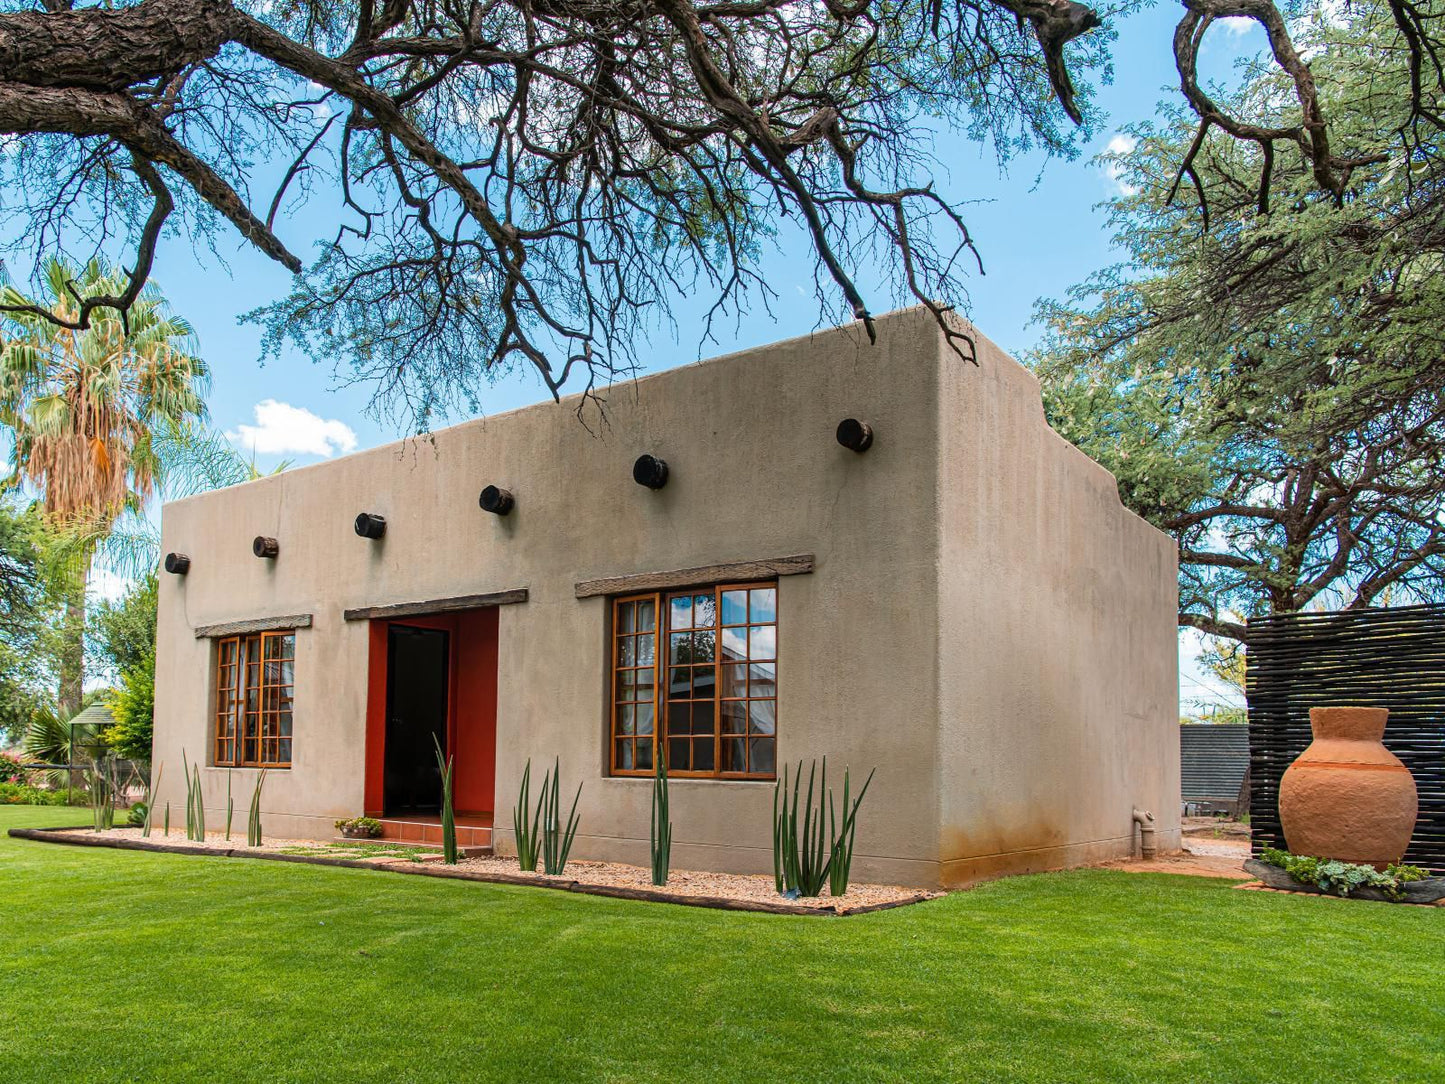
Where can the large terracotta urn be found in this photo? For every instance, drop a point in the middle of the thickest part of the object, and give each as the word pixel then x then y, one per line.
pixel 1348 797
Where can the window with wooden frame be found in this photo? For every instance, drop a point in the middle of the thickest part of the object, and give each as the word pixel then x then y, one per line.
pixel 255 678
pixel 695 673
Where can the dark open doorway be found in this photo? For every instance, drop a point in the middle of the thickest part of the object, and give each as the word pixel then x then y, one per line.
pixel 418 670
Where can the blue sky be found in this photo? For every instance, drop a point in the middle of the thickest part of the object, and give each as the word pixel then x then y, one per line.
pixel 1037 226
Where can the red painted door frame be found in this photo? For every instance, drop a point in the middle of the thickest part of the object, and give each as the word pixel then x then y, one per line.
pixel 471 706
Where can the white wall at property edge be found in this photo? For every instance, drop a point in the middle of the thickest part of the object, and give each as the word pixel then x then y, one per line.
pixel 865 652
pixel 1058 675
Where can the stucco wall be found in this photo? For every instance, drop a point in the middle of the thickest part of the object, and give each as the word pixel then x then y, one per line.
pixel 756 473
pixel 1058 675
pixel 986 625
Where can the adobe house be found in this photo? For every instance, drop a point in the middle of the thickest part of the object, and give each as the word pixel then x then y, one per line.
pixel 963 604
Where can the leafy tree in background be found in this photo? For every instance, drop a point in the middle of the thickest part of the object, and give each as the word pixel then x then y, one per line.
pixel 84 404
pixel 535 182
pixel 122 640
pixel 27 607
pixel 1263 371
pixel 123 633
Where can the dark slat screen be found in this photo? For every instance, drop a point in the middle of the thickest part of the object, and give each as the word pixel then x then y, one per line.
pixel 1389 658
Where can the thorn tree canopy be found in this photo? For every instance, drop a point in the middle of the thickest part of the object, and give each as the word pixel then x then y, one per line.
pixel 1271 390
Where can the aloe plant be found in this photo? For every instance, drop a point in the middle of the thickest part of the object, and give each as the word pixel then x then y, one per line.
pixel 661 824
pixel 195 805
pixel 525 831
pixel 230 807
pixel 151 787
pixel 840 854
pixel 818 850
pixel 253 822
pixel 556 840
pixel 445 766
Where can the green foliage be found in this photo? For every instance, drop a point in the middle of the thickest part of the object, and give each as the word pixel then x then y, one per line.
pixel 800 852
pixel 152 785
pixel 195 803
pixel 103 784
pixel 253 821
pixel 230 806
pixel 527 832
pixel 133 709
pixel 661 832
pixel 138 816
pixel 556 838
pixel 369 826
pixel 1266 386
pixel 10 770
pixel 1341 878
pixel 819 849
pixel 122 634
pixel 840 854
pixel 445 766
pixel 25 794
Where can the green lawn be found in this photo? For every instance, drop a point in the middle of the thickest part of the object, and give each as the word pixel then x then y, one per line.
pixel 120 965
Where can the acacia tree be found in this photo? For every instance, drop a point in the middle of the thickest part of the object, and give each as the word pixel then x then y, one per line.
pixel 1263 373
pixel 534 181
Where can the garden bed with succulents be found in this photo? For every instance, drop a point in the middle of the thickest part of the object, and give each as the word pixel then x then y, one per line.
pixel 1297 873
pixel 735 892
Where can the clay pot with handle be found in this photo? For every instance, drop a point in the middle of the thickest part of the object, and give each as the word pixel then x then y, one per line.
pixel 1347 797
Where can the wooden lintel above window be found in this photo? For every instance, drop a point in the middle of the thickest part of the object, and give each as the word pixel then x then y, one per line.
pixel 437 605
pixel 255 624
pixel 737 572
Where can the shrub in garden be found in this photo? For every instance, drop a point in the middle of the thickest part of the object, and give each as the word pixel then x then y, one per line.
pixel 817 850
pixel 545 836
pixel 1341 878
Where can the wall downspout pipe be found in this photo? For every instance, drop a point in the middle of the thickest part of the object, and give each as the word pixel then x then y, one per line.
pixel 1145 820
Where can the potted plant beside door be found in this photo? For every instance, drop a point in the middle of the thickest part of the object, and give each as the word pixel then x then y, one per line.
pixel 360 828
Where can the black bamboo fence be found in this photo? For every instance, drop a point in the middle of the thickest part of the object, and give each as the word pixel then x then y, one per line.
pixel 1389 658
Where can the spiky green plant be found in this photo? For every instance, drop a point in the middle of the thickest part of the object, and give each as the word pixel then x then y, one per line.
pixel 168 819
pixel 818 850
pixel 661 824
pixel 802 849
pixel 525 830
pixel 253 822
pixel 840 854
pixel 556 840
pixel 445 766
pixel 230 807
pixel 195 814
pixel 151 787
pixel 102 786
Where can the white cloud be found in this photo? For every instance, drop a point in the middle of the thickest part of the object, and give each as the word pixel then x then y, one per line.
pixel 283 429
pixel 1236 26
pixel 1121 144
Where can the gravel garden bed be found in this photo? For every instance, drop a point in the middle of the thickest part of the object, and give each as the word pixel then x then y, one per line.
pixel 727 891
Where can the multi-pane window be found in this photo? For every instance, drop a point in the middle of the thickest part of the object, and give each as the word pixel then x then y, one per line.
pixel 255 678
pixel 695 674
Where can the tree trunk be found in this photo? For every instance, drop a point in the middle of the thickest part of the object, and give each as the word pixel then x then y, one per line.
pixel 72 653
pixel 72 645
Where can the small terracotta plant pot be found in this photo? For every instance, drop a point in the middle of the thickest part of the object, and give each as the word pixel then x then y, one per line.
pixel 1347 797
pixel 355 832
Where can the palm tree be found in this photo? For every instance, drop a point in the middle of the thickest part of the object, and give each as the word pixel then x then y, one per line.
pixel 85 406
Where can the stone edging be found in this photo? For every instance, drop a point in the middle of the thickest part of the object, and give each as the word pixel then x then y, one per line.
pixel 74 836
